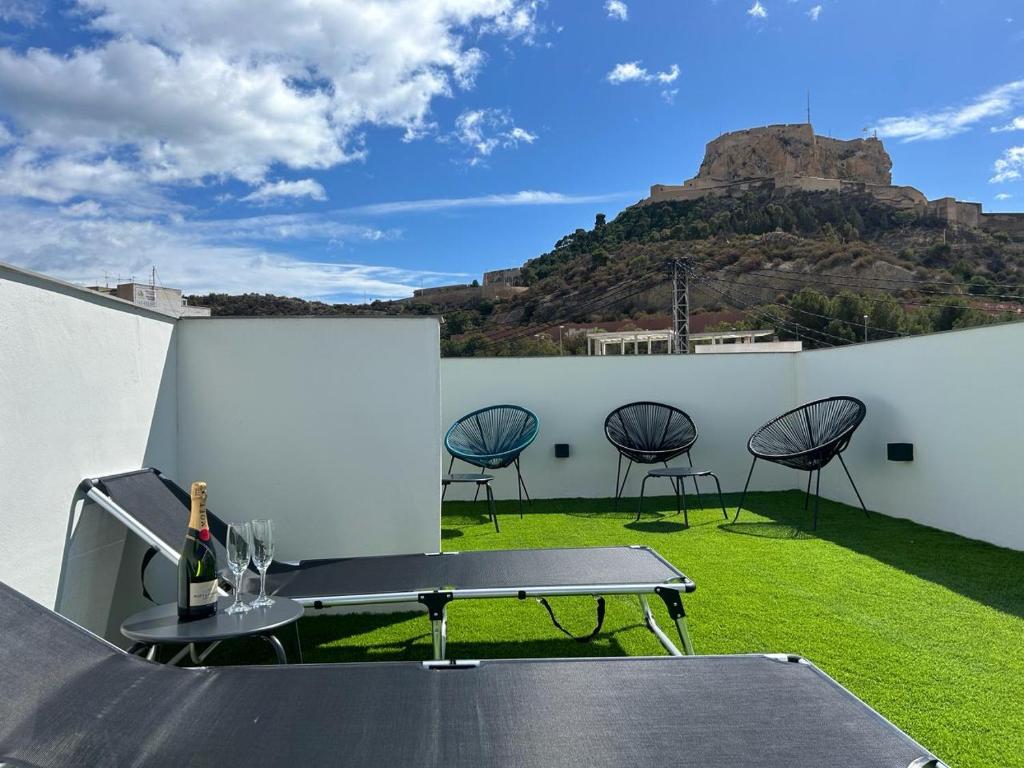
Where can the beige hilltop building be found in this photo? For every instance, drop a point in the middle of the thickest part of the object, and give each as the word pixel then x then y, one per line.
pixel 791 158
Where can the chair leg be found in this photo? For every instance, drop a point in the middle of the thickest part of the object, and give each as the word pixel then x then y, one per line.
pixel 444 486
pixel 682 495
pixel 640 502
pixel 625 477
pixel 743 496
pixel 854 486
pixel 522 490
pixel 817 498
pixel 618 471
pixel 700 502
pixel 721 500
pixel 807 496
pixel 477 494
pixel 490 504
pixel 525 490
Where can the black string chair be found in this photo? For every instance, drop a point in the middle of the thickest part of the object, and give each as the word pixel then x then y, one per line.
pixel 807 438
pixel 493 438
pixel 649 433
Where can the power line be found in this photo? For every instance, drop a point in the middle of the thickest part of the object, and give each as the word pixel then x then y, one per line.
pixel 912 281
pixel 791 308
pixel 809 333
pixel 588 305
pixel 857 282
pixel 865 297
pixel 612 296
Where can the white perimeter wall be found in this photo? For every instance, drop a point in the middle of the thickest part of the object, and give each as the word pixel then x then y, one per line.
pixel 329 426
pixel 86 388
pixel 726 395
pixel 959 398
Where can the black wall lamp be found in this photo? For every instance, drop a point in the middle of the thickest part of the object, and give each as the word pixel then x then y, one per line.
pixel 900 451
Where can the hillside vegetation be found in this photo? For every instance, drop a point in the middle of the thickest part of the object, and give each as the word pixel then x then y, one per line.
pixel 809 264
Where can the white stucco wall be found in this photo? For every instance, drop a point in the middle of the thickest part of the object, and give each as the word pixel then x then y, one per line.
pixel 959 398
pixel 727 396
pixel 330 426
pixel 86 388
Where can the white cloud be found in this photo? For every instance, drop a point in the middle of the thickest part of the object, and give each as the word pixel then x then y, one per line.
pixel 1017 124
pixel 953 120
pixel 524 197
pixel 82 241
pixel 670 76
pixel 617 10
pixel 1003 196
pixel 198 257
pixel 757 10
pixel 484 130
pixel 1009 167
pixel 633 72
pixel 287 189
pixel 24 12
pixel 188 90
pixel 627 72
pixel 88 208
pixel 814 13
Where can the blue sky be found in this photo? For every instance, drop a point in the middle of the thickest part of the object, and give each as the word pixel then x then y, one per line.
pixel 360 149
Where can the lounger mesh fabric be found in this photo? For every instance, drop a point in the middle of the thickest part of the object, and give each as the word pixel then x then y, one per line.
pixel 162 507
pixel 71 700
pixel 492 569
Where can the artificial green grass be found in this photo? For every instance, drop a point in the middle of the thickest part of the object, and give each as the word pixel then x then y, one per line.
pixel 925 626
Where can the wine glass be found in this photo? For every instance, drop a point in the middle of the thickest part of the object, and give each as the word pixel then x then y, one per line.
pixel 239 549
pixel 262 556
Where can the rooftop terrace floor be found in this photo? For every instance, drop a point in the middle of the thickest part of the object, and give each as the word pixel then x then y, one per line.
pixel 925 626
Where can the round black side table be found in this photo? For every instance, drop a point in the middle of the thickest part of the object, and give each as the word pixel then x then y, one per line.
pixel 478 480
pixel 158 626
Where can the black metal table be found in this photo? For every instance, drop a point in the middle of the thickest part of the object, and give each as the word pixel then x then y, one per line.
pixel 479 480
pixel 158 626
pixel 677 475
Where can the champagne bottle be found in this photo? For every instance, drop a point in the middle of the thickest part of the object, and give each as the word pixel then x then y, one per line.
pixel 197 566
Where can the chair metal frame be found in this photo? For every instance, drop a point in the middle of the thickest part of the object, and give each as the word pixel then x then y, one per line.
pixel 652 455
pixel 816 457
pixel 508 456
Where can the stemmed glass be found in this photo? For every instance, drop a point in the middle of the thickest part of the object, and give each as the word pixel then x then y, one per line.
pixel 239 550
pixel 262 556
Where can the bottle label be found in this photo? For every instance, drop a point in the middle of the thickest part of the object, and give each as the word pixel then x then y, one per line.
pixel 202 593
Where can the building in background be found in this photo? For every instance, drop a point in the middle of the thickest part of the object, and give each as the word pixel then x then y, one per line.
pixel 506 277
pixel 152 296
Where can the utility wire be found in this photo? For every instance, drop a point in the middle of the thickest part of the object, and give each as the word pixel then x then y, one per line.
pixel 853 281
pixel 874 300
pixel 592 301
pixel 912 281
pixel 607 298
pixel 790 308
pixel 801 331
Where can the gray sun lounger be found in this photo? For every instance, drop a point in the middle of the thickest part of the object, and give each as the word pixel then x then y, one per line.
pixel 71 700
pixel 157 509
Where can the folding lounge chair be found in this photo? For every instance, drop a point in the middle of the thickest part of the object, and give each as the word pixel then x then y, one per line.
pixel 71 700
pixel 157 510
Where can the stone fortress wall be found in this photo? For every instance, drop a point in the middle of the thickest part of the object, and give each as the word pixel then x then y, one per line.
pixel 781 159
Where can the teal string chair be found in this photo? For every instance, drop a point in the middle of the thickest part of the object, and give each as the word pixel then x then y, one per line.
pixel 493 438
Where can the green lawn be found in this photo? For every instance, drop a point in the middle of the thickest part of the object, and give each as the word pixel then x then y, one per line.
pixel 925 626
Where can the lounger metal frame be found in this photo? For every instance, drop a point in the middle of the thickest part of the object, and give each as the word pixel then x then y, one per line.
pixel 436 600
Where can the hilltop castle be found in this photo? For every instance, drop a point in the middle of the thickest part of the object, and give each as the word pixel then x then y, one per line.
pixel 790 158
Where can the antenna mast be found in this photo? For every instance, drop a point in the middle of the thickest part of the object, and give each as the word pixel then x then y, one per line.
pixel 808 106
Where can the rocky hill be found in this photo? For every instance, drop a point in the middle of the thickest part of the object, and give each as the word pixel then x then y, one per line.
pixel 809 264
pixel 793 150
